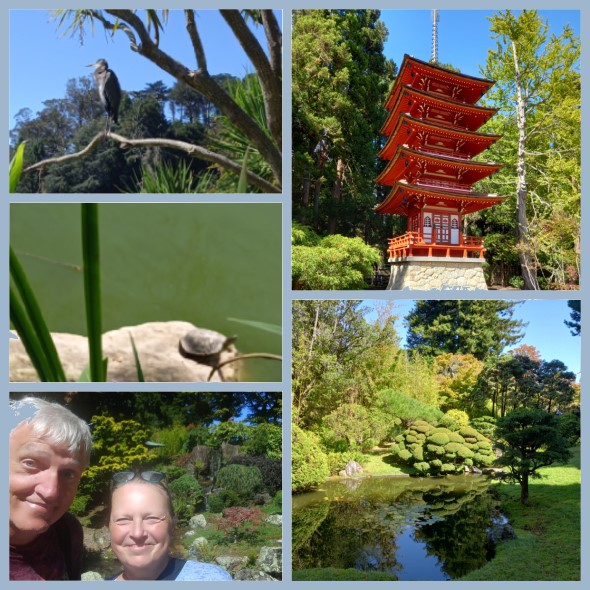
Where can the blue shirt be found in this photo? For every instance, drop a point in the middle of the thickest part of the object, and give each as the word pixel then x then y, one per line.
pixel 185 570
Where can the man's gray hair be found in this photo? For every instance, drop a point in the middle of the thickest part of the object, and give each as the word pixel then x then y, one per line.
pixel 58 425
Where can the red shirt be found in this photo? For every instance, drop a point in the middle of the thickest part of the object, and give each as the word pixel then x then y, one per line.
pixel 55 554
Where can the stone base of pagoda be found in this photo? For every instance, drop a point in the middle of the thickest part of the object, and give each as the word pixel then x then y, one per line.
pixel 425 273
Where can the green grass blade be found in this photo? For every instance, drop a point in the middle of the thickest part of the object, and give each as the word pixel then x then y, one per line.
pixel 36 319
pixel 16 166
pixel 91 259
pixel 28 337
pixel 140 377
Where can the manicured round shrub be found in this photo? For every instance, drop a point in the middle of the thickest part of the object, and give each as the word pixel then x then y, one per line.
pixel 438 438
pixel 405 455
pixel 421 426
pixel 484 425
pixel 454 419
pixel 309 465
pixel 270 469
pixel 242 480
pixel 443 450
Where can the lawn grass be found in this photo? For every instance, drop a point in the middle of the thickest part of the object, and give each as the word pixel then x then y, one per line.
pixel 333 574
pixel 547 546
pixel 379 462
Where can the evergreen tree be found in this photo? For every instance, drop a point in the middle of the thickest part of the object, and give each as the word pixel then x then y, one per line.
pixel 477 327
pixel 529 439
pixel 340 79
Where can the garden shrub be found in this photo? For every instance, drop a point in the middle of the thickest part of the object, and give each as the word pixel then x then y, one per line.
pixel 454 419
pixel 438 438
pixel 240 523
pixel 271 470
pixel 223 499
pixel 117 446
pixel 243 480
pixel 485 425
pixel 443 450
pixel 174 441
pixel 186 494
pixel 264 440
pixel 309 465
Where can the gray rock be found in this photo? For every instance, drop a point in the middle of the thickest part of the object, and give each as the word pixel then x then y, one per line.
pixel 97 539
pixel 270 560
pixel 198 521
pixel 231 562
pixel 92 577
pixel 262 499
pixel 275 519
pixel 157 347
pixel 254 576
pixel 353 468
pixel 501 530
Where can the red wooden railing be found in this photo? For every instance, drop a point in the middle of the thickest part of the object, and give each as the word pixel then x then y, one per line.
pixel 413 244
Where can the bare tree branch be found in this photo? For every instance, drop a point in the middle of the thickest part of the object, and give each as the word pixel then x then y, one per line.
pixel 274 39
pixel 194 151
pixel 193 33
pixel 270 81
pixel 206 85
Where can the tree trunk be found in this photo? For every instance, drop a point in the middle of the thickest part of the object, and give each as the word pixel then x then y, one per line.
pixel 525 252
pixel 524 489
pixel 336 195
pixel 316 203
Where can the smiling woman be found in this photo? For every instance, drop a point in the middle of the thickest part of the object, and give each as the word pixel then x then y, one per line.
pixel 142 524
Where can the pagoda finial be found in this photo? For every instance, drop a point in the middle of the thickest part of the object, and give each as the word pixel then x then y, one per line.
pixel 434 57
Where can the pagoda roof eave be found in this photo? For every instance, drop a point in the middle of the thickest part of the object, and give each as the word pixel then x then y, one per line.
pixel 402 194
pixel 403 151
pixel 452 105
pixel 405 119
pixel 404 73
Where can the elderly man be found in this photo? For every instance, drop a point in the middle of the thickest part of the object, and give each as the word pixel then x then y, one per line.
pixel 48 453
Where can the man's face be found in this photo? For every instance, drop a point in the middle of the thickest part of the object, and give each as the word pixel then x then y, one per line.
pixel 43 483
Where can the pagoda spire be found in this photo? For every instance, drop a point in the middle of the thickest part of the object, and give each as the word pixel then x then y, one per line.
pixel 434 56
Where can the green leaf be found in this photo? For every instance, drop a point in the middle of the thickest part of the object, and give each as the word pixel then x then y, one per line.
pixel 16 166
pixel 273 328
pixel 243 182
pixel 140 377
pixel 91 259
pixel 32 315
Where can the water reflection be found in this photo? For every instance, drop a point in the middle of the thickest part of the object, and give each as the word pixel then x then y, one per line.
pixel 415 529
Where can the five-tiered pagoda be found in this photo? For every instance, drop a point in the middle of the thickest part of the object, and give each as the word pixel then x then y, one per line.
pixel 432 138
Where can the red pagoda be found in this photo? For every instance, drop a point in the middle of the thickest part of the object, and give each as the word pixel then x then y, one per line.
pixel 432 131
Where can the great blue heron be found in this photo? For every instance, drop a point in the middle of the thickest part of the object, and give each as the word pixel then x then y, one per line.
pixel 109 90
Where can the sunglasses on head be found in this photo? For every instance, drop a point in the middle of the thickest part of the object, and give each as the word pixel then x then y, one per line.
pixel 149 476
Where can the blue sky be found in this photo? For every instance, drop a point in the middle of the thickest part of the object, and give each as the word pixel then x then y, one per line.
pixel 463 35
pixel 41 72
pixel 545 330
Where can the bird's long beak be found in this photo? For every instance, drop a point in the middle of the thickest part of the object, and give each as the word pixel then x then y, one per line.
pixel 90 65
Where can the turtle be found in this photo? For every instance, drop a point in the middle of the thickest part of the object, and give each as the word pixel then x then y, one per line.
pixel 204 346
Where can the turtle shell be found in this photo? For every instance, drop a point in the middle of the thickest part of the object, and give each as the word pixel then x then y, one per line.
pixel 203 342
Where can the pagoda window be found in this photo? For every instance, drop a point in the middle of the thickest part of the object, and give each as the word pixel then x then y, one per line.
pixel 454 229
pixel 427 227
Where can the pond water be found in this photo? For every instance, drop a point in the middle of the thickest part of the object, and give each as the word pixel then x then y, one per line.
pixel 428 529
pixel 215 265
